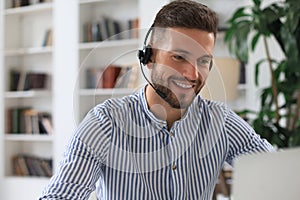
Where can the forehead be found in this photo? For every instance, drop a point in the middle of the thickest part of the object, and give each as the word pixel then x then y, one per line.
pixel 194 41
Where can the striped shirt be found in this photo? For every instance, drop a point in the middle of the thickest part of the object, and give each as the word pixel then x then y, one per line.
pixel 124 150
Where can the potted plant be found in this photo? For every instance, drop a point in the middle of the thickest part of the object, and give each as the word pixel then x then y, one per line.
pixel 278 119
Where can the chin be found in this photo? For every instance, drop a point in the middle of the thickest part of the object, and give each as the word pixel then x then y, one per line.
pixel 183 104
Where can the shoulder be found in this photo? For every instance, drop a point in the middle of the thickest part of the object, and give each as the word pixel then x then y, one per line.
pixel 113 107
pixel 97 127
pixel 103 114
pixel 215 108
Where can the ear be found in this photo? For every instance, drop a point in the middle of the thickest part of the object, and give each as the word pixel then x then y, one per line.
pixel 151 60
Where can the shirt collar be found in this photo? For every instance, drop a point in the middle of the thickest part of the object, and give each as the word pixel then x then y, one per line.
pixel 149 114
pixel 161 123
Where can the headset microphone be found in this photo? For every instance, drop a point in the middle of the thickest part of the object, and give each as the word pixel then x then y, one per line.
pixel 144 57
pixel 160 93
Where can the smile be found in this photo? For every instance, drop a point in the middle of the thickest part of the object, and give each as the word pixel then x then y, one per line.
pixel 182 85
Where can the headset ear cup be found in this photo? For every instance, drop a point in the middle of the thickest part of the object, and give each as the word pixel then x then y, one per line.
pixel 147 54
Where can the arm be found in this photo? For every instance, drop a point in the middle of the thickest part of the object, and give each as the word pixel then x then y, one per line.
pixel 81 166
pixel 242 138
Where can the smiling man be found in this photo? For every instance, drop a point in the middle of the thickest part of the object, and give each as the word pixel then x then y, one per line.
pixel 164 141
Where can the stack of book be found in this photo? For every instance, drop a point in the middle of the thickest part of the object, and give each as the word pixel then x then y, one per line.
pixel 22 80
pixel 27 165
pixel 114 76
pixel 20 3
pixel 25 120
pixel 108 28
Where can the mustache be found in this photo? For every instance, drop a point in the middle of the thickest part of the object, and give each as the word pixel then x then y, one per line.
pixel 183 79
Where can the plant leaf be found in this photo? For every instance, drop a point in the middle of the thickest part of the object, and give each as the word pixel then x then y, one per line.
pixel 257 70
pixel 254 41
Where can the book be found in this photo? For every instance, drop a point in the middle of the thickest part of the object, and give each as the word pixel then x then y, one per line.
pixel 14 79
pixel 109 26
pixel 110 75
pixel 30 165
pixel 48 38
pixel 22 81
pixel 128 77
pixel 46 165
pixel 31 121
pixel 93 77
pixel 20 166
pixel 134 26
pixel 17 170
pixel 45 123
pixel 95 32
pixel 16 121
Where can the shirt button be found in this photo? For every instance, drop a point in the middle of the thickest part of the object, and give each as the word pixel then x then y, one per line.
pixel 174 167
pixel 172 134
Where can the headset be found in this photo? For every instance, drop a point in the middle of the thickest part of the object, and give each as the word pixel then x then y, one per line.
pixel 145 54
pixel 144 57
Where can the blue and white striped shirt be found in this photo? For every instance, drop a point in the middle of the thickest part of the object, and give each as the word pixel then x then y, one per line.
pixel 130 154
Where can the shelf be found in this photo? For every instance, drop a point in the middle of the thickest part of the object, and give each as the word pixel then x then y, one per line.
pixel 29 9
pixel 105 92
pixel 27 178
pixel 28 51
pixel 27 94
pixel 28 137
pixel 107 43
pixel 91 1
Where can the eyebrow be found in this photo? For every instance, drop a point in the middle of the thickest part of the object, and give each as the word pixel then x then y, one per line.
pixel 181 51
pixel 189 53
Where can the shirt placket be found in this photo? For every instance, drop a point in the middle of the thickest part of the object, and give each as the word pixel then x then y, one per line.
pixel 173 164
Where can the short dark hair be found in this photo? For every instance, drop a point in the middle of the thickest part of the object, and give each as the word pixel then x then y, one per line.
pixel 187 14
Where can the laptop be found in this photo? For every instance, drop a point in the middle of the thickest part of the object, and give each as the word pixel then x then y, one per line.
pixel 267 176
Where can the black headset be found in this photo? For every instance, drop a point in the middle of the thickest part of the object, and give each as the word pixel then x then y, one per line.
pixel 145 54
pixel 144 57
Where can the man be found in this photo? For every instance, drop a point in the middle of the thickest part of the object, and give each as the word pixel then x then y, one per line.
pixel 165 141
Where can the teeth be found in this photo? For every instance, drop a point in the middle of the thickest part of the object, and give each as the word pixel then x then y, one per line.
pixel 186 86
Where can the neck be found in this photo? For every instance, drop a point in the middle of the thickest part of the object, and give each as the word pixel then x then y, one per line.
pixel 161 109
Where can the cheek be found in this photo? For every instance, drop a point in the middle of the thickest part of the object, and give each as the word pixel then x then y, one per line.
pixel 203 73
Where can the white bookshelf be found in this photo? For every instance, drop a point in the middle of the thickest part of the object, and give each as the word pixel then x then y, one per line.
pixel 21 38
pixel 22 35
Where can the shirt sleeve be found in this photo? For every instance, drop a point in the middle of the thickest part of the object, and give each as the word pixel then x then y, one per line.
pixel 84 157
pixel 242 138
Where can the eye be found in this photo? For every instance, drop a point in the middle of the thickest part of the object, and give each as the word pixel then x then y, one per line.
pixel 204 62
pixel 178 57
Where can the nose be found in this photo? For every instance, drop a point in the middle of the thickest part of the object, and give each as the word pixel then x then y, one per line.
pixel 190 72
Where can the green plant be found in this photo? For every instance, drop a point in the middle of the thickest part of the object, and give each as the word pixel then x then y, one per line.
pixel 277 120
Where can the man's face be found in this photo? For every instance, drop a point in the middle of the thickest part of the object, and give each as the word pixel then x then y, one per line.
pixel 181 64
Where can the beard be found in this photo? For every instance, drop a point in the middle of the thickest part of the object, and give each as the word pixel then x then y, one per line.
pixel 175 100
